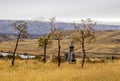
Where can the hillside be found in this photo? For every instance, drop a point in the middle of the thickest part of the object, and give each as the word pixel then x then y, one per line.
pixel 39 28
pixel 107 42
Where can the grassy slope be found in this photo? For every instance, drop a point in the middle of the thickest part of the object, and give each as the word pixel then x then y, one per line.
pixel 33 70
pixel 106 42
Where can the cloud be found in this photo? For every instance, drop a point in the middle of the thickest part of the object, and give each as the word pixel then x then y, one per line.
pixel 13 9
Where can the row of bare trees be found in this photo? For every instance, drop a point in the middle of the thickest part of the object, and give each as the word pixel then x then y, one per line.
pixel 83 34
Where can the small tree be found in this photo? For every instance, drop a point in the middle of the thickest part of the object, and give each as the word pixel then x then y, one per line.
pixel 21 27
pixel 57 33
pixel 44 42
pixel 58 36
pixel 84 33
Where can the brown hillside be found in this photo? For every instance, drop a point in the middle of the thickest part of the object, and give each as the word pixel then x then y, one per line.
pixel 107 42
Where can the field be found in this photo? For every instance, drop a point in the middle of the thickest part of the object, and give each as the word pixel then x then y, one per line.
pixel 33 70
pixel 107 42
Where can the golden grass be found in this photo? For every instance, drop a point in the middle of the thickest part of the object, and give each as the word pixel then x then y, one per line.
pixel 30 46
pixel 37 71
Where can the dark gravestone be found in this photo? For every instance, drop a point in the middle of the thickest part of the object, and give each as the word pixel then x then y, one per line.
pixel 71 56
pixel 65 56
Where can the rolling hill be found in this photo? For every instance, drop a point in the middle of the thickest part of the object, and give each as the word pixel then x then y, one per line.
pixel 40 28
pixel 107 42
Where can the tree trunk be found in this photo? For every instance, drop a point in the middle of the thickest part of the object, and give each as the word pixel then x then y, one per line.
pixel 84 56
pixel 59 53
pixel 83 50
pixel 44 58
pixel 15 49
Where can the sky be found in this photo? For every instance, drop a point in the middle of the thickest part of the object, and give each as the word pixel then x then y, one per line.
pixel 103 11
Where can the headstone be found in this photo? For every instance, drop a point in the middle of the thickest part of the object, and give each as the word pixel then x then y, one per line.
pixel 71 56
pixel 65 56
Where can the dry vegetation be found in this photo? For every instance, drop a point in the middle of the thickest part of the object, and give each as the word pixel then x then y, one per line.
pixel 31 46
pixel 34 70
pixel 106 43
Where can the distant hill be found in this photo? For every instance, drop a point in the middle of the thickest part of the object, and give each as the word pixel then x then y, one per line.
pixel 40 28
pixel 34 27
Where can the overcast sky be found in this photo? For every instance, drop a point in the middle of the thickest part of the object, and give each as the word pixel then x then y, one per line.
pixel 66 10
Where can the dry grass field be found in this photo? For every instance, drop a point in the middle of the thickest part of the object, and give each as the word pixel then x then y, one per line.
pixel 31 46
pixel 33 70
pixel 107 41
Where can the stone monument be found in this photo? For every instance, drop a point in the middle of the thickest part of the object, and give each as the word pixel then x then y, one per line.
pixel 71 55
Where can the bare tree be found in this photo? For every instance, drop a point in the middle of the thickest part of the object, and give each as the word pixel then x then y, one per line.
pixel 21 27
pixel 44 42
pixel 57 34
pixel 84 33
pixel 52 23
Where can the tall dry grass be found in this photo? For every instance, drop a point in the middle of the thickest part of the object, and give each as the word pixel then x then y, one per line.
pixel 37 71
